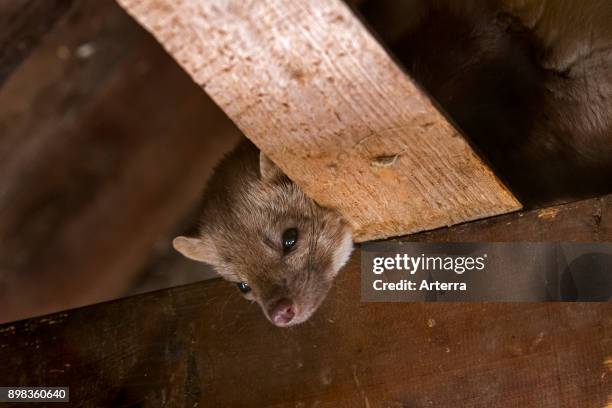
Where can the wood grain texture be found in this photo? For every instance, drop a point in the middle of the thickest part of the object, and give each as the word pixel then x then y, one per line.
pixel 311 87
pixel 203 344
pixel 580 221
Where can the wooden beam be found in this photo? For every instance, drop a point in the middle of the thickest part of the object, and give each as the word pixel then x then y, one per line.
pixel 312 88
pixel 580 221
pixel 204 344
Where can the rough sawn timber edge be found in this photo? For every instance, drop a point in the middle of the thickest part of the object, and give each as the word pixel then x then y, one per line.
pixel 309 85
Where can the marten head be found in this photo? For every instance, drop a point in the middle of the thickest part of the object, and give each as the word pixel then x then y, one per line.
pixel 278 246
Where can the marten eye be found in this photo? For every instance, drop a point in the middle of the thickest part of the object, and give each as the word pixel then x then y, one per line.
pixel 290 237
pixel 244 287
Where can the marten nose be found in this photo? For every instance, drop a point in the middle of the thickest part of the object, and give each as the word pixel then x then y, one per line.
pixel 283 312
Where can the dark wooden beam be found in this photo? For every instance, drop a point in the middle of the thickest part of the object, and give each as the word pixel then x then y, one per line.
pixel 580 221
pixel 203 344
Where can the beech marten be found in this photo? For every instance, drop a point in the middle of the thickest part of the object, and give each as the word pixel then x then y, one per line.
pixel 260 231
pixel 529 83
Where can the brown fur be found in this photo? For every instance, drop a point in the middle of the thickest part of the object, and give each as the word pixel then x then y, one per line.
pixel 528 81
pixel 244 215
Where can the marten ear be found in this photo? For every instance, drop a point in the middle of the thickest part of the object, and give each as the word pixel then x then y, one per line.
pixel 267 169
pixel 198 249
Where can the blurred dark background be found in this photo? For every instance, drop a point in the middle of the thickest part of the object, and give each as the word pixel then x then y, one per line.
pixel 105 146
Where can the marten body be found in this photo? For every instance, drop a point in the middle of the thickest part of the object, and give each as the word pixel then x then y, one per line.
pixel 529 83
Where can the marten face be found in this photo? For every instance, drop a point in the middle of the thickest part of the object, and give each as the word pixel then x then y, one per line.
pixel 278 246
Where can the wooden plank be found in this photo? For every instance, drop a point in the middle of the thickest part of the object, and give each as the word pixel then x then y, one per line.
pixel 203 344
pixel 312 88
pixel 97 167
pixel 580 221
